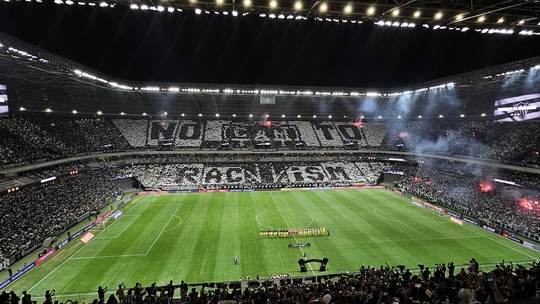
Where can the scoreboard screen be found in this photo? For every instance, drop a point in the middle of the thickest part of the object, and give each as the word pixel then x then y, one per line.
pixel 518 108
pixel 4 110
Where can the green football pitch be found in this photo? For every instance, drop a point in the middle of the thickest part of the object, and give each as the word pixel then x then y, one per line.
pixel 193 237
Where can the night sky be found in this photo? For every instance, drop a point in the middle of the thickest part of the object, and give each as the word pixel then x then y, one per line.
pixel 185 47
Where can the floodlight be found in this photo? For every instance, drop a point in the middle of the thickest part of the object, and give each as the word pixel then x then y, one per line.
pixel 144 114
pixel 462 115
pixel 395 12
pixel 170 9
pixel 419 116
pixel 99 113
pixel 234 115
pixel 69 2
pixel 459 17
pixel 399 117
pixel 500 20
pixel 329 116
pixel 217 114
pixel 481 18
pixel 103 4
pixel 441 116
pixel 273 4
pixel 348 9
pixel 219 2
pixel 122 113
pixel 266 115
pixel 48 110
pixel 22 109
pixel 371 10
pixel 438 15
pixel 234 13
pixel 144 7
pixel 298 5
pixel 198 11
pixel 165 113
pixel 200 114
pixel 314 116
pixel 134 6
pixel 417 14
pixel 282 115
pixel 324 7
pixel 299 116
pixel 160 8
pixel 250 115
pixel 247 3
pixel 521 22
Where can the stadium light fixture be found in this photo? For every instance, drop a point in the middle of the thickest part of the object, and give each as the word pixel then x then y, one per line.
pixel 22 109
pixel 103 4
pixel 371 11
pixel 250 115
pixel 234 13
pixel 182 114
pixel 348 8
pixel 144 7
pixel 441 116
pixel 170 9
pixel 247 3
pixel 234 115
pixel 48 110
pixel 282 115
pixel 299 116
pixel 314 116
pixel 165 113
pixel 69 2
pixel 419 116
pixel 500 20
pixel 462 115
pixel 217 114
pixel 144 114
pixel 459 17
pixel 521 22
pixel 438 16
pixel 330 116
pixel 122 113
pixel 200 114
pixel 99 113
pixel 323 7
pixel 74 112
pixel 273 4
pixel 417 14
pixel 298 5
pixel 58 2
pixel 482 18
pixel 395 12
pixel 198 11
pixel 219 2
pixel 380 117
pixel 134 6
pixel 483 114
pixel 399 117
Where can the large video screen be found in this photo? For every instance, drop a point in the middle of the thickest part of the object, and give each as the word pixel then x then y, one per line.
pixel 4 110
pixel 518 108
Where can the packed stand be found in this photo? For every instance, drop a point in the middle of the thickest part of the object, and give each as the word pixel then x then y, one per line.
pixel 32 214
pixel 476 195
pixel 441 284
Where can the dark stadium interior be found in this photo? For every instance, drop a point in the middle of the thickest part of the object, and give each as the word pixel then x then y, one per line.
pixel 438 100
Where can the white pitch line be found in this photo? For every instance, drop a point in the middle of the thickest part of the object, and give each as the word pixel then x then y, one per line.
pixel 395 219
pixel 162 230
pixel 117 235
pixel 286 222
pixel 111 256
pixel 73 255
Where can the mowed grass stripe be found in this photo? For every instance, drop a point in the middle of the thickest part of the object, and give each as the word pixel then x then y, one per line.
pixel 368 227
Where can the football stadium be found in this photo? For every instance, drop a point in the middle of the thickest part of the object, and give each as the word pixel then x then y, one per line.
pixel 269 152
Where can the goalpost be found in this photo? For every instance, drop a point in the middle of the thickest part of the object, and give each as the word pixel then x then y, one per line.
pixel 428 207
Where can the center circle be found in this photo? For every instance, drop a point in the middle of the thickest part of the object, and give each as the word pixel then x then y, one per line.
pixel 288 218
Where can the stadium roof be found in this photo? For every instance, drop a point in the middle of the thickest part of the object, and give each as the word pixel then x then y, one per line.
pixel 38 80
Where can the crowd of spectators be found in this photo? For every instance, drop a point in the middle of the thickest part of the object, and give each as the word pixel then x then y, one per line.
pixel 280 173
pixel 477 194
pixel 443 284
pixel 33 214
pixel 43 138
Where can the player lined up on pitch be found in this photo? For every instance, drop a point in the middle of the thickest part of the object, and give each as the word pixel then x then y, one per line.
pixel 295 232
